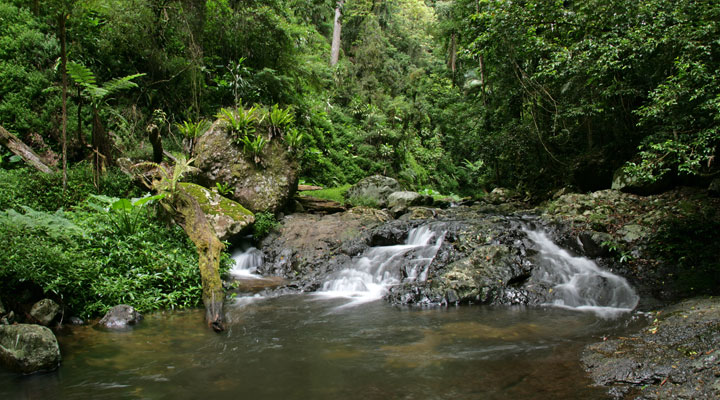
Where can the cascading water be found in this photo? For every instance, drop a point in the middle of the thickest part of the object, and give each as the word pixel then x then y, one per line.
pixel 383 266
pixel 578 283
pixel 247 260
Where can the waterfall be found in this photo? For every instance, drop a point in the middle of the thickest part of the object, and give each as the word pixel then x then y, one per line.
pixel 380 267
pixel 578 283
pixel 247 260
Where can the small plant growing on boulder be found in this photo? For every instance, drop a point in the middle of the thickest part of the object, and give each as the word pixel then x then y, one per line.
pixel 254 147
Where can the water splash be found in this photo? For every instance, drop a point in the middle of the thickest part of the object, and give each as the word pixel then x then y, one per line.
pixel 578 283
pixel 368 278
pixel 247 260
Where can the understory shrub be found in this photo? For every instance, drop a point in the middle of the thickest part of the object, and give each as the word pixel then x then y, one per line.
pixel 80 259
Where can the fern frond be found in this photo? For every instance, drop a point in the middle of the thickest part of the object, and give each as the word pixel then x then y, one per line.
pixel 81 74
pixel 123 83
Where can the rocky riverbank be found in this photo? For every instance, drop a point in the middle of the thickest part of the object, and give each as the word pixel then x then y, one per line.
pixel 660 243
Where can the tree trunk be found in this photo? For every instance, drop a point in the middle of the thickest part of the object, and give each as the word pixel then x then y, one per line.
pixel 63 71
pixel 156 141
pixel 337 27
pixel 21 149
pixel 453 54
pixel 187 213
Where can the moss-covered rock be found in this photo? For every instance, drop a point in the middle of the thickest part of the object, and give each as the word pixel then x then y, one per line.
pixel 227 217
pixel 268 186
pixel 28 348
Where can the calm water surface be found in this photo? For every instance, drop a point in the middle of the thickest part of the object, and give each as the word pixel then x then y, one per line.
pixel 305 347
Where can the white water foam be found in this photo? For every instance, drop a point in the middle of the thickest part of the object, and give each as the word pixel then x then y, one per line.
pixel 370 275
pixel 579 283
pixel 247 260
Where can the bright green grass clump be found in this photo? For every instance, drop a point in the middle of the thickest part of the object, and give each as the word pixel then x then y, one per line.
pixel 335 194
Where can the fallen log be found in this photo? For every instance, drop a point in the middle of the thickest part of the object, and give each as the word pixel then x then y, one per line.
pixel 314 205
pixel 21 149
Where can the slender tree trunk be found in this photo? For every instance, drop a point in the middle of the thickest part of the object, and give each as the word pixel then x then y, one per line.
pixel 63 71
pixel 80 136
pixel 337 27
pixel 482 77
pixel 453 56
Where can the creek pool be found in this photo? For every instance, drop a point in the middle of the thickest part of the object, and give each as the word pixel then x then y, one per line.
pixel 309 347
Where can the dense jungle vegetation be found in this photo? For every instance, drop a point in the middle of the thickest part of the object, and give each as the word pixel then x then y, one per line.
pixel 455 96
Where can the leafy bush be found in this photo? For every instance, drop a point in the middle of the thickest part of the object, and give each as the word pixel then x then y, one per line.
pixel 264 223
pixel 80 259
pixel 24 187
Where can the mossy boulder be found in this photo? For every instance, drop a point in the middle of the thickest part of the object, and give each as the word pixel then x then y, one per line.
pixel 373 190
pixel 27 348
pixel 267 186
pixel 227 217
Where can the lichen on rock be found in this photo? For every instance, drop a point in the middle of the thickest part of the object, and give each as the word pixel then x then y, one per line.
pixel 227 217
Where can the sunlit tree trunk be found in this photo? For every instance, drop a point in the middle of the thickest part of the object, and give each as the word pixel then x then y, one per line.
pixel 63 71
pixel 337 27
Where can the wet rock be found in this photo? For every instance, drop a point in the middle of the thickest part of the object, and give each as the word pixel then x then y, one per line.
pixel 592 243
pixel 120 316
pixel 26 348
pixel 632 232
pixel 676 356
pixel 44 311
pixel 399 202
pixel 374 189
pixel 227 217
pixel 269 186
pixel 305 247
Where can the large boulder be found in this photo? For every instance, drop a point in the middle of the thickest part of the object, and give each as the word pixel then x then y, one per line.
pixel 227 217
pixel 265 187
pixel 28 348
pixel 120 317
pixel 373 190
pixel 399 202
pixel 44 311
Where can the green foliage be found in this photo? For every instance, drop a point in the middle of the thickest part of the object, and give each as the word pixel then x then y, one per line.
pixel 254 147
pixel 79 259
pixel 294 138
pixel 264 223
pixel 241 122
pixel 223 188
pixel 23 187
pixel 357 201
pixel 125 213
pixel 334 194
pixel 683 244
pixel 191 130
pixel 279 119
pixel 168 183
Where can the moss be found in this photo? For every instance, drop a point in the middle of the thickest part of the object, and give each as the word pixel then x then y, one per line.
pixel 334 194
pixel 212 203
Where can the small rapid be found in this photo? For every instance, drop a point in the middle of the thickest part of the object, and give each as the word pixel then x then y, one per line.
pixel 247 260
pixel 578 283
pixel 369 276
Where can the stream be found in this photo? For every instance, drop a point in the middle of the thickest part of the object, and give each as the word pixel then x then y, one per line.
pixel 345 342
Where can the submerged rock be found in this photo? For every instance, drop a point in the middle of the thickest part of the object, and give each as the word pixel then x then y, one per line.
pixel 120 316
pixel 373 190
pixel 268 186
pixel 227 217
pixel 44 311
pixel 676 356
pixel 26 348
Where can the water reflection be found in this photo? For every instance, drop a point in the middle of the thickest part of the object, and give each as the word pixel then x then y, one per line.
pixel 291 347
